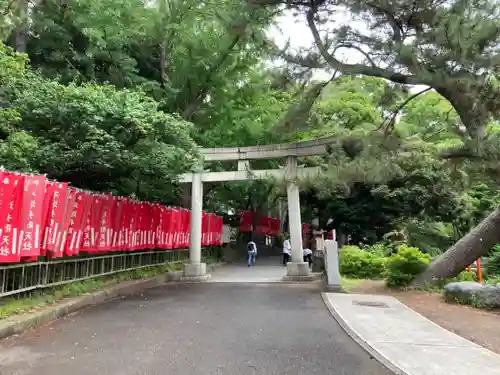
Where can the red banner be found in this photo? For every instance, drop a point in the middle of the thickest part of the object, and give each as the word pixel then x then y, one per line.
pixel 330 235
pixel 220 226
pixel 210 225
pixel 87 245
pixel 172 225
pixel 78 212
pixel 204 229
pixel 262 225
pixel 110 222
pixel 265 224
pixel 169 228
pixel 246 221
pixel 274 227
pixel 305 228
pixel 186 220
pixel 11 194
pixel 68 210
pixel 47 201
pixel 213 229
pixel 56 196
pixel 102 241
pixel 31 216
pixel 118 227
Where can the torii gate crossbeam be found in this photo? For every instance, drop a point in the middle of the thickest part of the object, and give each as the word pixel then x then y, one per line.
pixel 297 269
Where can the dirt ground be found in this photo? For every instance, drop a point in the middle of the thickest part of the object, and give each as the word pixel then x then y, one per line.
pixel 479 326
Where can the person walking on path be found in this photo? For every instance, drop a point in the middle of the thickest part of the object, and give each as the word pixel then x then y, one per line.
pixel 252 253
pixel 287 250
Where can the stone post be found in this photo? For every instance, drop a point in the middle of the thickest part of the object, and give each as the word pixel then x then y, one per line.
pixel 195 270
pixel 319 253
pixel 333 280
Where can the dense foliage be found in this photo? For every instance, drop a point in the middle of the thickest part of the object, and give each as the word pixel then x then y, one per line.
pixel 403 266
pixel 357 263
pixel 94 136
pixel 116 96
pixel 373 262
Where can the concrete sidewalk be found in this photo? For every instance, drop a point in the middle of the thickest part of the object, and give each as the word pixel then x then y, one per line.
pixel 266 270
pixel 405 341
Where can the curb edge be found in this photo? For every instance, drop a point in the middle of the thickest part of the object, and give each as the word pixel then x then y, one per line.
pixel 360 341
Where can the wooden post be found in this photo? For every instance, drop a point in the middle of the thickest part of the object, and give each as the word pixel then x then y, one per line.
pixel 479 271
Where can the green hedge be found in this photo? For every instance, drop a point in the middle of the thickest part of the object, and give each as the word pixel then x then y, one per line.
pixel 359 264
pixel 403 266
pixel 493 262
pixel 467 276
pixel 398 270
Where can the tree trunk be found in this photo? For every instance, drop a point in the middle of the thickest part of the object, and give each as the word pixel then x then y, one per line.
pixel 21 32
pixel 186 196
pixel 474 114
pixel 469 248
pixel 163 57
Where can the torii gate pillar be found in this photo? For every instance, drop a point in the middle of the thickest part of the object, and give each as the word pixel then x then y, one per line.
pixel 297 268
pixel 195 270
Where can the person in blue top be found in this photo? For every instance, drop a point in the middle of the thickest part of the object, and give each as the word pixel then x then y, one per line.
pixel 252 253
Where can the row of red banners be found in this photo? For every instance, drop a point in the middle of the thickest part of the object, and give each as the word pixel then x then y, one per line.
pixel 270 225
pixel 44 218
pixel 264 224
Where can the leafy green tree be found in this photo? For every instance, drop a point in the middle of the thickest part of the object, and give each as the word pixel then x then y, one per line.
pixel 432 118
pixel 451 47
pixel 94 136
pixel 180 52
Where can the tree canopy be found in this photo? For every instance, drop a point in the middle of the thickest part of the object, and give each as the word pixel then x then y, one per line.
pixel 450 46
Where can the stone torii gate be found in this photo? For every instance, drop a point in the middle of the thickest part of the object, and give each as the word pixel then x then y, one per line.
pixel 297 269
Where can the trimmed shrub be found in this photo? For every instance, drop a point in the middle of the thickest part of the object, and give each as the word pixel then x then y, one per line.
pixel 492 280
pixel 359 264
pixel 467 276
pixel 382 249
pixel 403 266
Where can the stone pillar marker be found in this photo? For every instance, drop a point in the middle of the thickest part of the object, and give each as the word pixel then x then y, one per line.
pixel 195 270
pixel 319 253
pixel 333 280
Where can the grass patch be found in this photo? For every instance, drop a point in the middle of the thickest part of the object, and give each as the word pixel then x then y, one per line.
pixel 349 284
pixel 44 297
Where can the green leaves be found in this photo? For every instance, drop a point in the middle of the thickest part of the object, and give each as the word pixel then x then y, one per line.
pixel 17 152
pixel 95 136
pixel 403 266
pixel 449 46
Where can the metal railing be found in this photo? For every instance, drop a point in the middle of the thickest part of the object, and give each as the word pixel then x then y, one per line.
pixel 26 277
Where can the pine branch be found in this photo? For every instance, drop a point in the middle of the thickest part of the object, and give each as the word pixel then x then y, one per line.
pixel 356 68
pixel 389 121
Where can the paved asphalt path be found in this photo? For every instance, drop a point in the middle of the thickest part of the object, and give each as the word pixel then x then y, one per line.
pixel 194 329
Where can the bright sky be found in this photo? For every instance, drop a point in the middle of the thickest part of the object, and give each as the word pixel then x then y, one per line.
pixel 295 30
